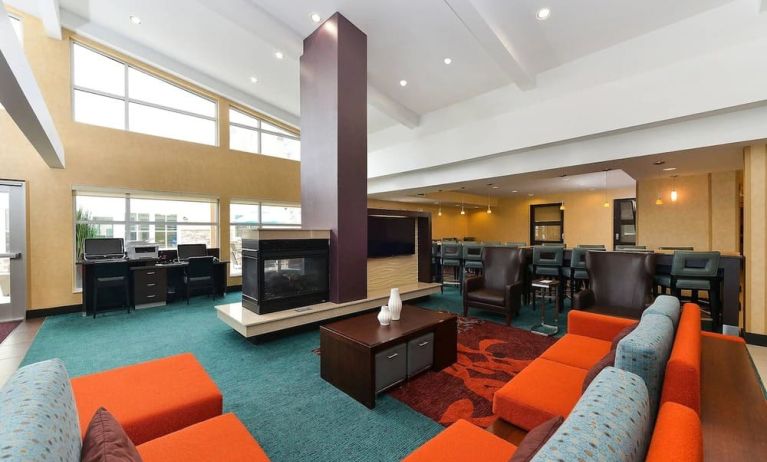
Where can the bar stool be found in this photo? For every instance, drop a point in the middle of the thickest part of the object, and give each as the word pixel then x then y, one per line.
pixel 677 248
pixel 553 244
pixel 450 257
pixel 547 261
pixel 472 257
pixel 109 275
pixel 625 247
pixel 515 244
pixel 663 280
pixel 576 273
pixel 436 266
pixel 696 271
pixel 591 246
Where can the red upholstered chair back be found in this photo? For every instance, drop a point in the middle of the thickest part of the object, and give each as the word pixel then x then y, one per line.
pixel 502 266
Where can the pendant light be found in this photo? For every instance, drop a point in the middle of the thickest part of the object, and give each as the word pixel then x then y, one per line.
pixel 604 191
pixel 488 205
pixel 439 212
pixel 659 200
pixel 674 195
pixel 463 212
pixel 562 206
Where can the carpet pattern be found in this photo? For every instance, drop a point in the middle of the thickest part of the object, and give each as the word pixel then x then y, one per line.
pixel 489 355
pixel 6 328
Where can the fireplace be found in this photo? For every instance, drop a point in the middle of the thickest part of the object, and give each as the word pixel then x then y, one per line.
pixel 284 269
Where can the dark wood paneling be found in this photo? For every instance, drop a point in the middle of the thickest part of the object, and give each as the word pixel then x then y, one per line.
pixel 733 406
pixel 334 150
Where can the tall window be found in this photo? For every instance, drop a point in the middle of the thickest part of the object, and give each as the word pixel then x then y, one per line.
pixel 167 221
pixel 248 216
pixel 16 24
pixel 251 134
pixel 111 93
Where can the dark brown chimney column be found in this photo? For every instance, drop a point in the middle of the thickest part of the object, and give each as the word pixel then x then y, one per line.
pixel 334 150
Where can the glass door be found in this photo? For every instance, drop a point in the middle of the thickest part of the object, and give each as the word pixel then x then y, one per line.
pixel 13 283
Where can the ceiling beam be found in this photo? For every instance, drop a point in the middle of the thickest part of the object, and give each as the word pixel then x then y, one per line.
pixel 150 56
pixel 251 18
pixel 22 98
pixel 50 13
pixel 497 45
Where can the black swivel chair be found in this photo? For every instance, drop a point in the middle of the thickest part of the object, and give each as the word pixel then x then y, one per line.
pixel 199 274
pixel 111 275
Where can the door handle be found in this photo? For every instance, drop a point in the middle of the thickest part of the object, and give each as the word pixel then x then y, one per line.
pixel 12 255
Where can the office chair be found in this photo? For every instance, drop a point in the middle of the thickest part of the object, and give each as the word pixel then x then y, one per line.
pixel 199 274
pixel 111 275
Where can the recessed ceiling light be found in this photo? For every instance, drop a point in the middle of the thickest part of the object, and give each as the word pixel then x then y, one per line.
pixel 530 194
pixel 659 162
pixel 135 20
pixel 515 191
pixel 278 55
pixel 253 79
pixel 447 60
pixel 403 83
pixel 496 187
pixel 543 14
pixel 669 169
pixel 316 17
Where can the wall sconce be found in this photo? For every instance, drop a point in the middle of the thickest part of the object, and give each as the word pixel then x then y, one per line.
pixel 659 200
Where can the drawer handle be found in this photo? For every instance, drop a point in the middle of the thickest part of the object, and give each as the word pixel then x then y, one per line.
pixel 392 356
pixel 152 284
pixel 149 273
pixel 151 296
pixel 423 344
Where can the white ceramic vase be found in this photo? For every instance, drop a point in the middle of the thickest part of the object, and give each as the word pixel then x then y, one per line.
pixel 384 316
pixel 395 304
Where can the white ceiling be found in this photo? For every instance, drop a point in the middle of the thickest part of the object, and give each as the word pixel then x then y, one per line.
pixel 232 40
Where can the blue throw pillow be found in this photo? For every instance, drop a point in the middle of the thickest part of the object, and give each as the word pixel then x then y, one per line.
pixel 667 306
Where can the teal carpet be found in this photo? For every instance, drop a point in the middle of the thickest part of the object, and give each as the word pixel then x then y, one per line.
pixel 274 387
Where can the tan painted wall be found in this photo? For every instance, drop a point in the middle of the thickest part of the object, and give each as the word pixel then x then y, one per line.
pixel 586 220
pixel 755 238
pixel 705 216
pixel 109 158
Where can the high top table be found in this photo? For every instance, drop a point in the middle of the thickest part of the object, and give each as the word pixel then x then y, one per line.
pixel 363 358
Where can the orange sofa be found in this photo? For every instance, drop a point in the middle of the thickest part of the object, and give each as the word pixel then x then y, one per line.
pixel 171 410
pixel 552 384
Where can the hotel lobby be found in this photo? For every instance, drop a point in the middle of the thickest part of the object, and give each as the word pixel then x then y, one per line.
pixel 444 230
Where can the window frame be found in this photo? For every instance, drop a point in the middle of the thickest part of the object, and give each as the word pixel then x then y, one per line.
pixel 560 223
pixel 127 222
pixel 259 130
pixel 127 100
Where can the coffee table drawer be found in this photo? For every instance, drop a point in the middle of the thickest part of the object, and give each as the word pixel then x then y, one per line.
pixel 391 367
pixel 420 354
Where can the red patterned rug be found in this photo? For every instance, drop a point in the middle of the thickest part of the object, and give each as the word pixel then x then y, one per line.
pixel 6 328
pixel 489 355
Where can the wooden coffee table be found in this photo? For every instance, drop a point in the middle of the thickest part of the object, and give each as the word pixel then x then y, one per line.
pixel 362 358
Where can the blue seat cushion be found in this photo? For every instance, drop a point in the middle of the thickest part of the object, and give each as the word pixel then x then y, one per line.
pixel 38 416
pixel 645 352
pixel 666 305
pixel 612 421
pixel 473 264
pixel 547 270
pixel 693 284
pixel 575 273
pixel 451 262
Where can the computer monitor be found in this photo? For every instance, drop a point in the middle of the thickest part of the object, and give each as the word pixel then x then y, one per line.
pixel 103 246
pixel 186 251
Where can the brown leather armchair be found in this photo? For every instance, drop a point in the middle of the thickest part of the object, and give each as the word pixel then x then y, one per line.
pixel 620 283
pixel 500 286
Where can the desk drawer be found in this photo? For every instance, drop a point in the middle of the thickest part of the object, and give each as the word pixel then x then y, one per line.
pixel 143 277
pixel 391 367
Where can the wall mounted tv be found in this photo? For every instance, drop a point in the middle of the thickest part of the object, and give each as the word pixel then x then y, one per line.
pixel 390 235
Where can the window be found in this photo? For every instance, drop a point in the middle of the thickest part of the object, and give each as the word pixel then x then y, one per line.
pixel 17 28
pixel 167 221
pixel 110 93
pixel 248 216
pixel 251 134
pixel 546 223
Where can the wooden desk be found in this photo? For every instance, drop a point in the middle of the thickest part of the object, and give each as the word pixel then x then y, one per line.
pixel 355 351
pixel 152 283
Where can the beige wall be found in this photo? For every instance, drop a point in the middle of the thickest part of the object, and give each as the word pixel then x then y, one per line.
pixel 755 238
pixel 705 216
pixel 586 221
pixel 116 159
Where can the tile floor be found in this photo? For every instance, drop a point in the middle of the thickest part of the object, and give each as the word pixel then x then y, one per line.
pixel 15 346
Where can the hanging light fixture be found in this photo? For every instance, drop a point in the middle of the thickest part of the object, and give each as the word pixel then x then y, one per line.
pixel 674 195
pixel 488 204
pixel 659 200
pixel 606 204
pixel 562 206
pixel 463 212
pixel 439 212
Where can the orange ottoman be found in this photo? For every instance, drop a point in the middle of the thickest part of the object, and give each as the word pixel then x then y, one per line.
pixel 223 439
pixel 150 399
pixel 463 442
pixel 542 390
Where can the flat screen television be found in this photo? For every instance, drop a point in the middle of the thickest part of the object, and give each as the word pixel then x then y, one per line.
pixel 389 236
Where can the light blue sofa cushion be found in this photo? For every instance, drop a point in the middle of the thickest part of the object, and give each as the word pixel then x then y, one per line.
pixel 667 306
pixel 611 422
pixel 645 352
pixel 38 417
